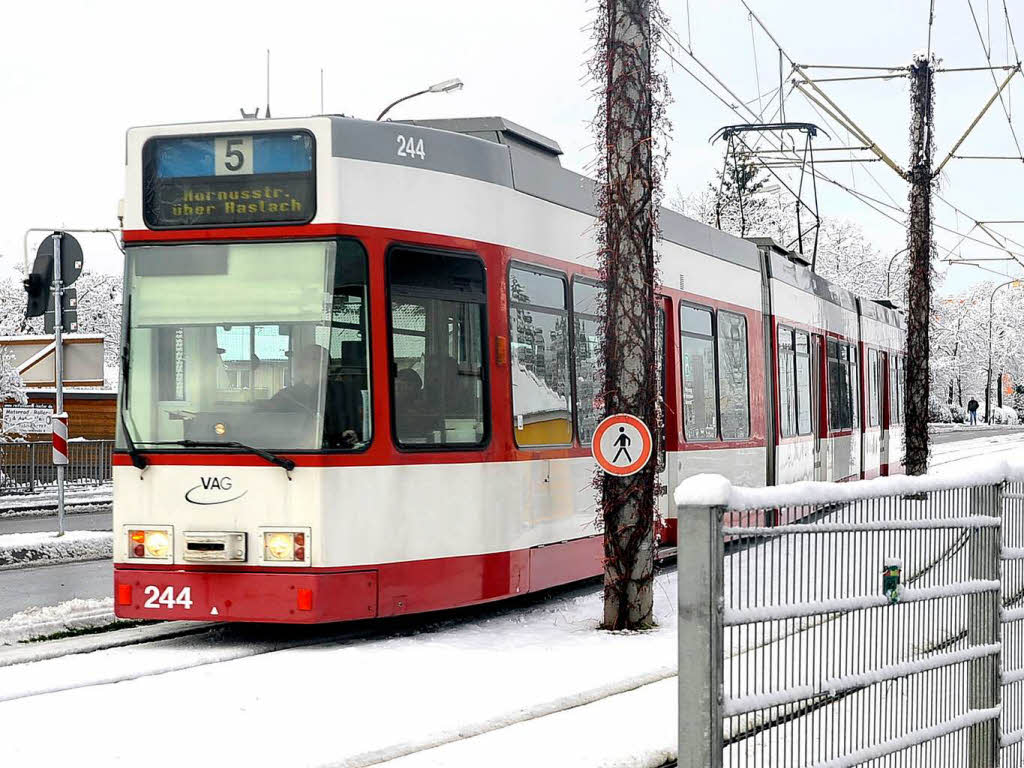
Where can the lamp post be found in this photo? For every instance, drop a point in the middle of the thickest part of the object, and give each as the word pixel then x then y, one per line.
pixel 988 378
pixel 888 272
pixel 445 86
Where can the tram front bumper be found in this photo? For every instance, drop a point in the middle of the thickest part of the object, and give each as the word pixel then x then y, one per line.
pixel 250 595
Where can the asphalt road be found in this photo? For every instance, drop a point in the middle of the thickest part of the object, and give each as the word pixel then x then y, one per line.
pixel 973 433
pixel 22 588
pixel 86 521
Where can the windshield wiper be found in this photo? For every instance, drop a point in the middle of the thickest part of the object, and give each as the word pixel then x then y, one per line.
pixel 287 464
pixel 138 460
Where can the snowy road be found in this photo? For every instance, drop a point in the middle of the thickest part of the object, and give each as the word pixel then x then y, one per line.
pixel 22 588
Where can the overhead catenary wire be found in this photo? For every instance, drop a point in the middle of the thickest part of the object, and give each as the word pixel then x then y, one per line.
pixel 874 203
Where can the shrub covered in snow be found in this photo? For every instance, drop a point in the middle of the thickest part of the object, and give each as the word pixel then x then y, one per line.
pixel 1004 415
pixel 958 413
pixel 938 411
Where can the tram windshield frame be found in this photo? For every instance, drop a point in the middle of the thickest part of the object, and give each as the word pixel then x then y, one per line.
pixel 260 343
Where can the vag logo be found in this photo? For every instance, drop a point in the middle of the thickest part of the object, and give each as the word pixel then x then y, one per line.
pixel 212 490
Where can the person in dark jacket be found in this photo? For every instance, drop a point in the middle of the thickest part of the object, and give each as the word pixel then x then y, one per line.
pixel 972 410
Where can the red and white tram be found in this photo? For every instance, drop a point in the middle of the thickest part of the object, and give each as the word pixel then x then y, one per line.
pixel 359 369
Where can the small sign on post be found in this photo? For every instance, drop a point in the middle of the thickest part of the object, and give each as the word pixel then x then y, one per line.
pixel 622 445
pixel 27 419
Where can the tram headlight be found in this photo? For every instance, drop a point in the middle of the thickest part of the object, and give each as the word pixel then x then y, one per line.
pixel 149 543
pixel 284 546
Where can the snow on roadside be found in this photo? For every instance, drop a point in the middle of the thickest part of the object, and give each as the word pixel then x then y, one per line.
pixel 29 503
pixel 41 622
pixel 20 549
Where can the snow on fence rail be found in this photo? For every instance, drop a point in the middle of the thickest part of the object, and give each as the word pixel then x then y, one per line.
pixel 871 621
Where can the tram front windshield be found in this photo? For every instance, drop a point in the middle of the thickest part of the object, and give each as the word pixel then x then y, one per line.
pixel 263 344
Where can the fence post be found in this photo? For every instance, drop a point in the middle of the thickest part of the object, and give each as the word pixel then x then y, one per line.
pixel 984 626
pixel 32 467
pixel 700 558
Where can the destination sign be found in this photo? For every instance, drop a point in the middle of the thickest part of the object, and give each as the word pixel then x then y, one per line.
pixel 229 180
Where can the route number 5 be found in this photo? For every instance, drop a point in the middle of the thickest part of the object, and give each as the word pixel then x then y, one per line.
pixel 232 155
pixel 155 598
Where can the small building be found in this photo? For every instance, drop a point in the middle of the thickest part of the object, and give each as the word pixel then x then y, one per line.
pixel 91 408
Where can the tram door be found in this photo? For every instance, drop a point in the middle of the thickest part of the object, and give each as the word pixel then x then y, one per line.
pixel 817 394
pixel 882 385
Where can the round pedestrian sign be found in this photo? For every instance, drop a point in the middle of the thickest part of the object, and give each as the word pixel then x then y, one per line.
pixel 622 445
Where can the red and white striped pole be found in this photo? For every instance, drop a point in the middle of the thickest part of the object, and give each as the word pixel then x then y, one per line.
pixel 59 437
pixel 59 424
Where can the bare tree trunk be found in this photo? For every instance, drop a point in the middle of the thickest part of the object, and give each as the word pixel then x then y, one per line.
pixel 629 194
pixel 919 243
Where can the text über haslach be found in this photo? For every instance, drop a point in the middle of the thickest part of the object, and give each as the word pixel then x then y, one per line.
pixel 265 199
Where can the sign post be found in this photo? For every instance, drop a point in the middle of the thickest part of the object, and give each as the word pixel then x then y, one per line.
pixel 58 264
pixel 60 419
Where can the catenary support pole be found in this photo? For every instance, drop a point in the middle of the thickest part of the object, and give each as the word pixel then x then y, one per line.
pixel 920 247
pixel 628 221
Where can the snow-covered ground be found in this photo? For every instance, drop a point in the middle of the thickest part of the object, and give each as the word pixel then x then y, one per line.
pixel 19 549
pixel 45 501
pixel 535 682
pixel 41 622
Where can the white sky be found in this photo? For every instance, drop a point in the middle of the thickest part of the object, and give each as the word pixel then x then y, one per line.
pixel 75 75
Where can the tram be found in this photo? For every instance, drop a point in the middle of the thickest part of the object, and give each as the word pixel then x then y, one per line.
pixel 359 369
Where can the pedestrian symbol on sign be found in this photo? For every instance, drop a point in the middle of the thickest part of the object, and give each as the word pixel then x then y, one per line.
pixel 623 442
pixel 622 445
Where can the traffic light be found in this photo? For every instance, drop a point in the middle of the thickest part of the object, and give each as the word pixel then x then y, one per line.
pixel 38 288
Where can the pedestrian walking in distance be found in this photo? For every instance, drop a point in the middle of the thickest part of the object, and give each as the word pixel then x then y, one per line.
pixel 972 410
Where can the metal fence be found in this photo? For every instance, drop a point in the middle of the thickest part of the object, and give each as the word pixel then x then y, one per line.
pixel 27 467
pixel 884 630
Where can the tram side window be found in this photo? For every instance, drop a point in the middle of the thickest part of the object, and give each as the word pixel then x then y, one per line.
pixel 842 404
pixel 733 399
pixel 787 383
pixel 539 331
pixel 586 304
pixel 873 389
pixel 437 354
pixel 803 384
pixel 894 389
pixel 854 382
pixel 347 415
pixel 700 398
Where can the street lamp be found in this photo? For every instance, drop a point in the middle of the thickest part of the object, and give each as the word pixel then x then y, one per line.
pixel 444 86
pixel 988 379
pixel 888 273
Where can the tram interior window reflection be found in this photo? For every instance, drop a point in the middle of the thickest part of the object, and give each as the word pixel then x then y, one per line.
pixel 803 384
pixel 733 397
pixel 586 300
pixel 873 388
pixel 437 331
pixel 539 335
pixel 787 383
pixel 700 395
pixel 842 386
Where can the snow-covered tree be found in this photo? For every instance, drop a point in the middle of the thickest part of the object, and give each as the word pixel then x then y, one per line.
pixel 99 312
pixel 12 390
